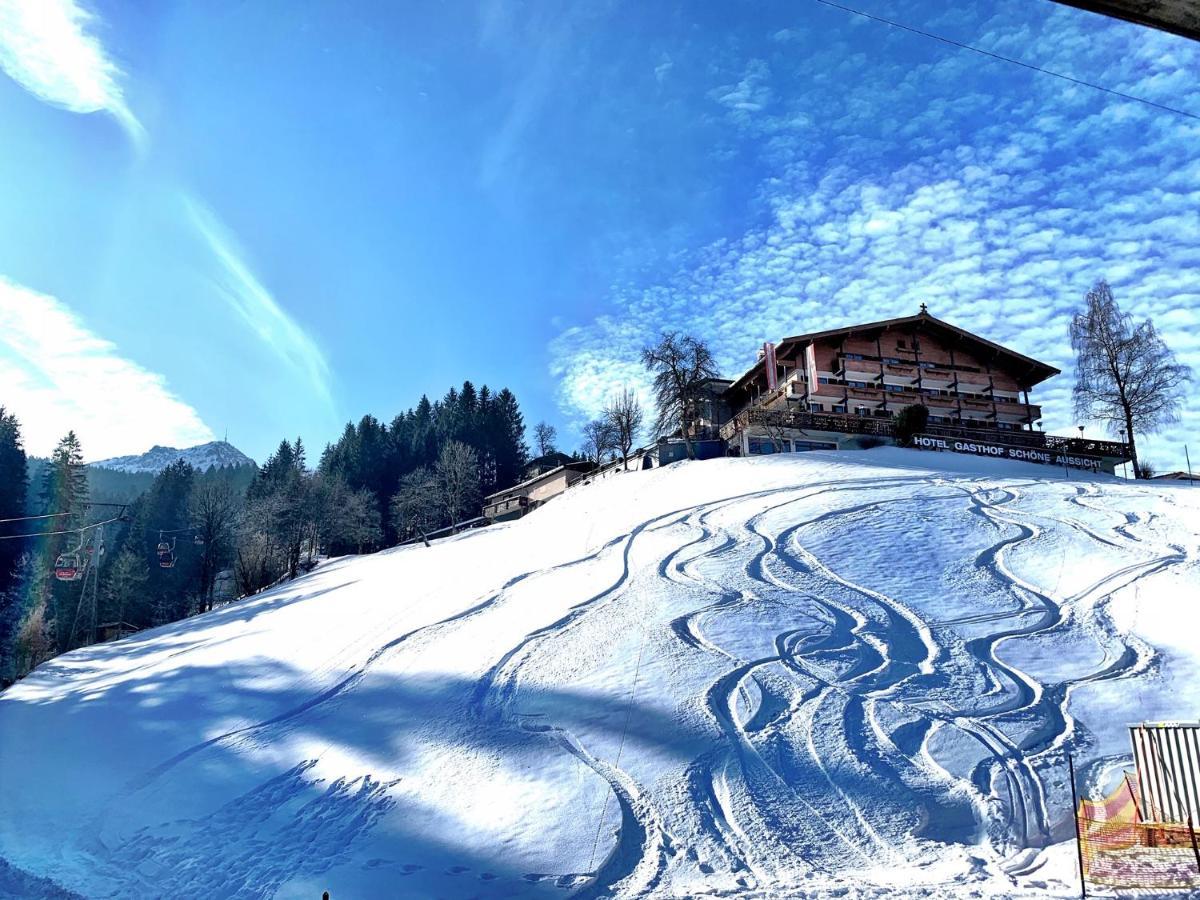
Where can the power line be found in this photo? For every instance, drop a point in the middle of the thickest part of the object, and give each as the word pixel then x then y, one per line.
pixel 1007 59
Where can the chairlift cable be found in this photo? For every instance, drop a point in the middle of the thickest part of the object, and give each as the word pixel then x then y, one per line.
pixel 80 529
pixel 1007 59
pixel 31 518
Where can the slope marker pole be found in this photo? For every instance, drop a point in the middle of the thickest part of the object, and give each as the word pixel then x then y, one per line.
pixel 1078 835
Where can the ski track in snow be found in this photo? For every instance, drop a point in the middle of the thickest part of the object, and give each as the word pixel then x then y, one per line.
pixel 859 726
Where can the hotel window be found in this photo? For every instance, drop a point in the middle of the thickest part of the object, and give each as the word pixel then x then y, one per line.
pixel 839 407
pixel 894 388
pixel 891 360
pixel 924 364
pixel 1004 426
pixel 761 447
pixel 853 355
pixel 857 384
pixel 815 407
pixel 861 411
pixel 824 380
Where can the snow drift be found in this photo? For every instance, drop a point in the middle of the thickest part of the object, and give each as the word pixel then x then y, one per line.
pixel 787 676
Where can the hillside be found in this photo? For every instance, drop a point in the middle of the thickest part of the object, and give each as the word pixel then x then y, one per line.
pixel 848 674
pixel 202 457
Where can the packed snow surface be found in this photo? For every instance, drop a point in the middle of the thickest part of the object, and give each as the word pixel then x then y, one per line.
pixel 214 454
pixel 829 674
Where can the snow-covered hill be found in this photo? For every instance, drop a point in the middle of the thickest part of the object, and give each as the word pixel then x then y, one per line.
pixel 214 454
pixel 851 674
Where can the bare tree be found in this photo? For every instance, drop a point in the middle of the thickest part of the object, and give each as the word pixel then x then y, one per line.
pixel 214 508
pixel 598 439
pixel 416 506
pixel 624 416
pixel 457 471
pixel 1125 375
pixel 344 518
pixel 544 436
pixel 681 365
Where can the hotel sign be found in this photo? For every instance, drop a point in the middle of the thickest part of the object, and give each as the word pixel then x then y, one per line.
pixel 1007 451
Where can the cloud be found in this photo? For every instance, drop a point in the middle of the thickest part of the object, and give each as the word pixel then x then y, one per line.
pixel 253 303
pixel 919 175
pixel 57 375
pixel 751 94
pixel 46 48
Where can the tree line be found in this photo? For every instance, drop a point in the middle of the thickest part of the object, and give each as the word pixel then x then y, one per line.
pixel 193 536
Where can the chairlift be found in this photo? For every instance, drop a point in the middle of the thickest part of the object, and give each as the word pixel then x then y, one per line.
pixel 166 553
pixel 67 567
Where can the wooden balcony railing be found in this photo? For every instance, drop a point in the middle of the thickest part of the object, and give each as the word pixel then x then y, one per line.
pixel 806 421
pixel 885 427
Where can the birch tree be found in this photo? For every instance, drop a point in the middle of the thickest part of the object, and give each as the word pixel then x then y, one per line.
pixel 1125 375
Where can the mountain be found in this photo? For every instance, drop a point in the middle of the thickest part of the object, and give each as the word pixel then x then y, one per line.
pixel 215 454
pixel 807 675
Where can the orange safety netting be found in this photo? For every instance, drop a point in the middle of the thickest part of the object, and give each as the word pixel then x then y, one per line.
pixel 1119 849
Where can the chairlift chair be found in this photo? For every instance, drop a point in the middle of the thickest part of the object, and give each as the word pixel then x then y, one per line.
pixel 166 553
pixel 67 567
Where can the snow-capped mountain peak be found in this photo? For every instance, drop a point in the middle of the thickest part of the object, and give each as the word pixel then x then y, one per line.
pixel 214 454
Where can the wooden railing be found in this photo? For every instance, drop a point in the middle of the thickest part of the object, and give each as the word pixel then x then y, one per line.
pixel 886 427
pixel 805 421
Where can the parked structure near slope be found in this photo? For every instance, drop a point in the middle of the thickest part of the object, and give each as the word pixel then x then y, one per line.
pixel 841 388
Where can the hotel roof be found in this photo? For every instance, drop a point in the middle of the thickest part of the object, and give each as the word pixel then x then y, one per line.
pixel 1035 371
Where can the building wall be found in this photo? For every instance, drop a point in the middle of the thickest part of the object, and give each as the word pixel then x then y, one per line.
pixel 879 374
pixel 525 497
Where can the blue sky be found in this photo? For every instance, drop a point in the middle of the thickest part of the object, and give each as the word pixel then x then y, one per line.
pixel 272 217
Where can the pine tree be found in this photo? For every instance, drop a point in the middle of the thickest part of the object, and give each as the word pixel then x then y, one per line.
pixel 510 451
pixel 125 590
pixel 64 491
pixel 14 478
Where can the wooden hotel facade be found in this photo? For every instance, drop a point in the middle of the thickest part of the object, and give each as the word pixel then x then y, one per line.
pixel 843 387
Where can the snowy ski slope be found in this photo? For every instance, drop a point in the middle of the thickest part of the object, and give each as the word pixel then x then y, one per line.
pixel 848 674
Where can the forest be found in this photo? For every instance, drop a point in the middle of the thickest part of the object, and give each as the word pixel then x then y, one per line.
pixel 86 554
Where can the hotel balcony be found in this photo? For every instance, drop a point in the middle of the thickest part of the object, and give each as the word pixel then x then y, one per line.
pixel 827 392
pixel 904 371
pixel 874 395
pixel 937 373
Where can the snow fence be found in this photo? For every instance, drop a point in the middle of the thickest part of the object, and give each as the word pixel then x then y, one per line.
pixel 1119 849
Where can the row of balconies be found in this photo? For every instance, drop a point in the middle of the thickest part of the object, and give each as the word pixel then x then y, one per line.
pixel 868 363
pixel 982 389
pixel 972 383
pixel 835 393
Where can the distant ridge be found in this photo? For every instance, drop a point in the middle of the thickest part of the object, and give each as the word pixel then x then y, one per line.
pixel 213 455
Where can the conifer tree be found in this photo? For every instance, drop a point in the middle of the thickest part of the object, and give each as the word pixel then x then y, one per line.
pixel 14 478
